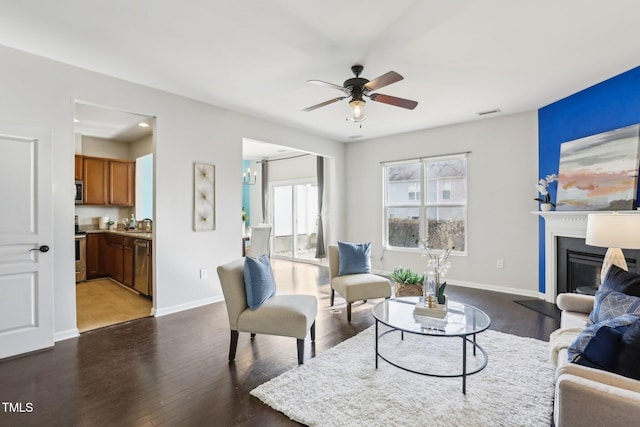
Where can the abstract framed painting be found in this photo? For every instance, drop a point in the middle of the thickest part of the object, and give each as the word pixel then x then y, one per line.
pixel 600 172
pixel 204 197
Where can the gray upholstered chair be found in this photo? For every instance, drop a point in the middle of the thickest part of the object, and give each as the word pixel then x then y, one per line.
pixel 355 287
pixel 284 315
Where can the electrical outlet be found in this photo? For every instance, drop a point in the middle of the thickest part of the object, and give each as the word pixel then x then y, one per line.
pixel 203 273
pixel 500 263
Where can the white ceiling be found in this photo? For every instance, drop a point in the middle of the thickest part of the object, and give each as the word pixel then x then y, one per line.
pixel 105 123
pixel 458 57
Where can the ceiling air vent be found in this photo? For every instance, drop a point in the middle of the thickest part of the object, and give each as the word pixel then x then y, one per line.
pixel 484 113
pixel 355 136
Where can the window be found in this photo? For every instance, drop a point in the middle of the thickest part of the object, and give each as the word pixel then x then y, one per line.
pixel 414 191
pixel 426 199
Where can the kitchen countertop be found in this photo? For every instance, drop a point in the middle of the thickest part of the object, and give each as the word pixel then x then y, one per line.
pixel 138 234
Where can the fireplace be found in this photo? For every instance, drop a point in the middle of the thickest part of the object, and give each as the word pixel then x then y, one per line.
pixel 585 262
pixel 579 265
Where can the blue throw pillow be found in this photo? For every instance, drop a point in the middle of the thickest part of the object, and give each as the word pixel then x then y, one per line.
pixel 259 283
pixel 623 281
pixel 610 304
pixel 581 343
pixel 602 350
pixel 354 258
pixel 630 352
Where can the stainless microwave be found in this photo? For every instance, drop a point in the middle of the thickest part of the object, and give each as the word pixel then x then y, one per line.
pixel 79 192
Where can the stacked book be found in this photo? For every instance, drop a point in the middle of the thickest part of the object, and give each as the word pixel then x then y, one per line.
pixel 438 311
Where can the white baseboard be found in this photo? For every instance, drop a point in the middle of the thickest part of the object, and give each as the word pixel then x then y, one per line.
pixel 502 289
pixel 484 286
pixel 187 306
pixel 65 335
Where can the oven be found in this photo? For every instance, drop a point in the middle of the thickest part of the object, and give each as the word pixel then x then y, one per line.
pixel 81 255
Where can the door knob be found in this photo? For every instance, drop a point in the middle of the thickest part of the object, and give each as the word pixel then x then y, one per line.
pixel 43 248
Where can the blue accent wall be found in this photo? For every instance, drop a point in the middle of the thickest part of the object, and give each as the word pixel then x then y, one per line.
pixel 246 197
pixel 609 105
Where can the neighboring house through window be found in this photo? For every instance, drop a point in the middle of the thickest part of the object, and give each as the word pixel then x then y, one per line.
pixel 426 199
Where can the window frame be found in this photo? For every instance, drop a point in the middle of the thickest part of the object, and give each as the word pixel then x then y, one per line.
pixel 423 205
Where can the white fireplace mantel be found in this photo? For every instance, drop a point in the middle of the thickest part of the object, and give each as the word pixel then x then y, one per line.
pixel 561 224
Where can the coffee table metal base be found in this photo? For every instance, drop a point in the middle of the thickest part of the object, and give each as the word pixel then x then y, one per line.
pixel 464 374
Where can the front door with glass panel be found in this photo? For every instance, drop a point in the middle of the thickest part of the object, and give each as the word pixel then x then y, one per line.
pixel 295 211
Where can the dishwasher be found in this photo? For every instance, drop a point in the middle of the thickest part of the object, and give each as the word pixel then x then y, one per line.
pixel 141 266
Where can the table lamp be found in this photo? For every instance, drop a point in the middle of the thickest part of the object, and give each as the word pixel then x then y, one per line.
pixel 614 231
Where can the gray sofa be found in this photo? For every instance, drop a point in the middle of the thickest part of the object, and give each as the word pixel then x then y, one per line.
pixel 585 396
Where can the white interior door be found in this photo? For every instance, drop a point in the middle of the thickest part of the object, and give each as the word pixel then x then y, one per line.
pixel 26 273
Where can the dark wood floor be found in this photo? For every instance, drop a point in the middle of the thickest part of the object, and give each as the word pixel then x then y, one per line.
pixel 173 370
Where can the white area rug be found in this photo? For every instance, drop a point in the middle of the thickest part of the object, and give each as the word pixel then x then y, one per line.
pixel 341 387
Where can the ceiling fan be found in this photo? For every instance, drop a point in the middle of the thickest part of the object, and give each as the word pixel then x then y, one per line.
pixel 357 87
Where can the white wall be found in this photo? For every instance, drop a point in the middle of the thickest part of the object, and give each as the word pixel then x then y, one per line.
pixel 141 147
pixel 107 148
pixel 502 171
pixel 42 92
pixel 294 168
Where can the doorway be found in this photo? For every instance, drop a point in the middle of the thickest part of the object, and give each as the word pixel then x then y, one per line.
pixel 114 151
pixel 295 210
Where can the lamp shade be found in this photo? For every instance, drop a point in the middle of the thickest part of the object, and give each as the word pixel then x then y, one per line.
pixel 613 230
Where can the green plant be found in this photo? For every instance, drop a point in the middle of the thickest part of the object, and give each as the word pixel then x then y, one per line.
pixel 440 293
pixel 406 276
pixel 245 217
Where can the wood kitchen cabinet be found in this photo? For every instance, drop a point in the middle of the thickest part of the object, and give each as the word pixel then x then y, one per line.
pixel 95 174
pixel 96 256
pixel 128 253
pixel 108 182
pixel 114 257
pixel 78 168
pixel 121 183
pixel 110 255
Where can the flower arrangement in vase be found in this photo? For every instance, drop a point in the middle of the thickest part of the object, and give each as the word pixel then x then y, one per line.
pixel 439 266
pixel 543 188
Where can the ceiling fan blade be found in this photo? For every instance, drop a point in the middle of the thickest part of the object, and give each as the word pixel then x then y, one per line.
pixel 392 100
pixel 383 80
pixel 321 83
pixel 322 104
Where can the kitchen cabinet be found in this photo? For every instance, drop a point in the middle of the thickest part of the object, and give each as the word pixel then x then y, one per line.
pixel 78 168
pixel 111 255
pixel 114 257
pixel 108 182
pixel 96 256
pixel 95 173
pixel 128 251
pixel 121 183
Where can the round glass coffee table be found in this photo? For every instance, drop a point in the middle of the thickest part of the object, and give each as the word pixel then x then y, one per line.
pixel 461 320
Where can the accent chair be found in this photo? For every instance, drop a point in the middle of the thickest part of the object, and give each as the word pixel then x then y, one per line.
pixel 281 314
pixel 355 287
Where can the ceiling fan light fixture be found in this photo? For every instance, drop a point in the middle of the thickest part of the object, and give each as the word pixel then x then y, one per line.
pixel 357 110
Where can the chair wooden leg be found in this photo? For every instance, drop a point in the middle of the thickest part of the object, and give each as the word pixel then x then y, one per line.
pixel 333 292
pixel 349 312
pixel 300 352
pixel 233 346
pixel 313 332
